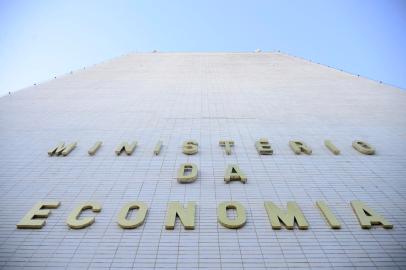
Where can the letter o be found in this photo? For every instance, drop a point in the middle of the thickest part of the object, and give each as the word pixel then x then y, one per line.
pixel 125 223
pixel 223 219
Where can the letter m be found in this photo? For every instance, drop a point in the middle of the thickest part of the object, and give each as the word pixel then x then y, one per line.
pixel 62 149
pixel 287 218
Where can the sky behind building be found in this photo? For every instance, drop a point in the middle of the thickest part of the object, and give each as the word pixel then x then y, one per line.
pixel 43 39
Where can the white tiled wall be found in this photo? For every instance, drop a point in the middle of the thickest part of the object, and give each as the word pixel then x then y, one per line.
pixel 206 97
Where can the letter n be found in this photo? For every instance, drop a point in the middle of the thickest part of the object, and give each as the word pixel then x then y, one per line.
pixel 186 215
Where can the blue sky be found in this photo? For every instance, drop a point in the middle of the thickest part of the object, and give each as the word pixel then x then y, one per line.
pixel 43 39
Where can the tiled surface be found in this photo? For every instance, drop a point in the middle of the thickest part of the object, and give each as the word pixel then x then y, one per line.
pixel 206 97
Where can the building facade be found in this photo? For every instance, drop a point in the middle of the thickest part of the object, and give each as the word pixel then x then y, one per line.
pixel 205 97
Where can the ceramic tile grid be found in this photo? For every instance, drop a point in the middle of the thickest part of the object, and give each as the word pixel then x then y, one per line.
pixel 207 97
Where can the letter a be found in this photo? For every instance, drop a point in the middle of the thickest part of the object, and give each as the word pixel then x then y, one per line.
pixel 233 172
pixel 368 217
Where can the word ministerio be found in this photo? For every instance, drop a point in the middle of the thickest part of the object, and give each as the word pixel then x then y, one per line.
pixel 289 217
pixel 191 147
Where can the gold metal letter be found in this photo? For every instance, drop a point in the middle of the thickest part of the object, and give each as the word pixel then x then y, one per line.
pixel 363 147
pixel 368 217
pixel 62 149
pixel 263 147
pixel 94 148
pixel 40 210
pixel 332 147
pixel 75 223
pixel 298 147
pixel 132 224
pixel 190 147
pixel 157 148
pixel 187 173
pixel 186 216
pixel 129 149
pixel 288 217
pixel 223 219
pixel 328 215
pixel 233 172
pixel 227 146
